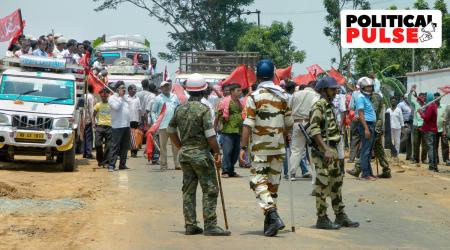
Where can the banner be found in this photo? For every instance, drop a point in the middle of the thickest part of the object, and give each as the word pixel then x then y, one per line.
pixel 239 76
pixel 303 79
pixel 315 70
pixel 340 79
pixel 10 25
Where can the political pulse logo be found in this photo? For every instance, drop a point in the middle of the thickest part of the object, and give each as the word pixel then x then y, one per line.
pixel 391 28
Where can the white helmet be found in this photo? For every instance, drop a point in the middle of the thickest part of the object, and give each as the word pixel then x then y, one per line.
pixel 196 82
pixel 365 82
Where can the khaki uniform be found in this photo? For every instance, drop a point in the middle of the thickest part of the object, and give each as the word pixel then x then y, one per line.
pixel 268 115
pixel 329 176
pixel 193 123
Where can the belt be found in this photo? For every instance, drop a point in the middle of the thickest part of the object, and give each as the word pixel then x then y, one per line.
pixel 332 143
pixel 302 120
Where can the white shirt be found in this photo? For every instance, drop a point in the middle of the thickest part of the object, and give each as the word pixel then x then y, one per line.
pixel 302 102
pixel 339 107
pixel 396 118
pixel 211 108
pixel 135 108
pixel 120 111
pixel 90 108
pixel 57 53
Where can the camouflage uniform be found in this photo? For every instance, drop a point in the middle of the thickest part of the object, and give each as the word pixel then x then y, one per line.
pixel 329 176
pixel 378 148
pixel 268 114
pixel 193 123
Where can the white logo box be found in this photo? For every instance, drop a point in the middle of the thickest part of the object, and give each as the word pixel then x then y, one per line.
pixel 388 25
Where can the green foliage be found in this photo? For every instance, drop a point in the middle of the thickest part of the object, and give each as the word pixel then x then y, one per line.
pixel 390 83
pixel 99 40
pixel 273 42
pixel 195 25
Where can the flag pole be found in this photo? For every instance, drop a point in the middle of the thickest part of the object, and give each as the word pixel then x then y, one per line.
pixel 435 100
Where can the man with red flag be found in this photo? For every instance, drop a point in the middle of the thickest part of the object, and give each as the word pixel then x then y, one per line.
pixel 239 75
pixel 315 70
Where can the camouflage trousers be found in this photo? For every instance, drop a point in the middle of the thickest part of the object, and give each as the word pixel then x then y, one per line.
pixel 198 167
pixel 329 181
pixel 265 179
pixel 378 150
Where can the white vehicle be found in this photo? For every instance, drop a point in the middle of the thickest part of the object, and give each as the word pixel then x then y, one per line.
pixel 38 110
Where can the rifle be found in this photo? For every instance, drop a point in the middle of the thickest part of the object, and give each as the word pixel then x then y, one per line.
pixel 310 142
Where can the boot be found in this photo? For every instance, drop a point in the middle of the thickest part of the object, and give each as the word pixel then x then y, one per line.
pixel 193 229
pixel 342 166
pixel 343 221
pixel 385 174
pixel 324 223
pixel 216 231
pixel 435 169
pixel 274 222
pixel 355 172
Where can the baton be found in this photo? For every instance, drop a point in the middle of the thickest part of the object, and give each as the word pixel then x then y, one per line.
pixel 221 196
pixel 291 190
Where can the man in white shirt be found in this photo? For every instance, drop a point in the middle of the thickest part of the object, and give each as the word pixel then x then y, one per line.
pixel 120 121
pixel 135 112
pixel 301 103
pixel 397 124
pixel 69 52
pixel 60 45
pixel 88 127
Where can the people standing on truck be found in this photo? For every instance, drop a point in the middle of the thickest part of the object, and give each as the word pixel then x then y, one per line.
pixel 69 52
pixel 171 101
pixel 102 116
pixel 88 127
pixel 60 46
pixel 41 47
pixel 135 117
pixel 49 49
pixel 25 50
pixel 120 123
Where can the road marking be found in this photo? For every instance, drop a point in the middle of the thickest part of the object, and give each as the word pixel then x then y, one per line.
pixel 123 180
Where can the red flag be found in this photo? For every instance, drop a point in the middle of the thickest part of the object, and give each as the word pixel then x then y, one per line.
pixel 165 74
pixel 84 61
pixel 285 73
pixel 10 25
pixel 251 76
pixel 445 89
pixel 315 70
pixel 239 76
pixel 149 143
pixel 96 83
pixel 340 79
pixel 18 33
pixel 178 90
pixel 303 79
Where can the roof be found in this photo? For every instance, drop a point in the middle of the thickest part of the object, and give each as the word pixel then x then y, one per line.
pixel 20 72
pixel 122 44
pixel 434 71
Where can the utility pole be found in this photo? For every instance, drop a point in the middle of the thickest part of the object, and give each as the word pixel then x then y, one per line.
pixel 253 12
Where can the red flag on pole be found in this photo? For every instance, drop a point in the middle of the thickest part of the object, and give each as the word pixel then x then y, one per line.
pixel 166 75
pixel 96 83
pixel 340 79
pixel 303 79
pixel 445 89
pixel 239 76
pixel 315 70
pixel 285 73
pixel 178 90
pixel 10 25
pixel 149 145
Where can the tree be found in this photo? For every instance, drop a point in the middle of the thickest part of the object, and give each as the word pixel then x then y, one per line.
pixel 333 18
pixel 195 25
pixel 273 42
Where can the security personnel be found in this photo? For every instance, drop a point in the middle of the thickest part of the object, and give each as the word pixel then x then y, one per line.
pixel 196 140
pixel 378 105
pixel 267 122
pixel 324 130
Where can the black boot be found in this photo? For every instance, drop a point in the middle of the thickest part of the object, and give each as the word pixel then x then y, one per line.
pixel 192 230
pixel 385 174
pixel 324 223
pixel 216 231
pixel 342 166
pixel 343 221
pixel 355 172
pixel 274 222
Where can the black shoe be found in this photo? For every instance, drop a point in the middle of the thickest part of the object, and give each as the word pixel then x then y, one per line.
pixel 192 230
pixel 275 223
pixel 216 231
pixel 123 167
pixel 385 175
pixel 324 223
pixel 343 221
pixel 354 172
pixel 435 169
pixel 342 166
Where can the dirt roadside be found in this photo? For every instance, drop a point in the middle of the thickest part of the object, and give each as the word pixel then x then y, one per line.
pixel 42 207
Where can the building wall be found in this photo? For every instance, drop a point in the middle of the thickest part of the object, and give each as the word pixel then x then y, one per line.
pixel 430 81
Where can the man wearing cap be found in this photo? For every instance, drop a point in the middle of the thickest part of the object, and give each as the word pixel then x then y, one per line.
pixel 60 45
pixel 324 130
pixel 267 123
pixel 171 101
pixel 197 137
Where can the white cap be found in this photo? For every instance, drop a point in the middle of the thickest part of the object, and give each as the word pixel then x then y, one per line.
pixel 61 40
pixel 196 82
pixel 164 83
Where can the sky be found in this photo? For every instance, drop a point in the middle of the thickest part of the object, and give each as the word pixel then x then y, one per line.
pixel 78 20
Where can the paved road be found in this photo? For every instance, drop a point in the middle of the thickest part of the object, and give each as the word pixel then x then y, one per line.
pixel 143 210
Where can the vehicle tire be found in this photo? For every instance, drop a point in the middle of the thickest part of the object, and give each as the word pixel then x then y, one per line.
pixel 68 160
pixel 59 158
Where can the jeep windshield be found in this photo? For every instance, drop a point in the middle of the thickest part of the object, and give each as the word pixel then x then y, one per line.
pixel 42 90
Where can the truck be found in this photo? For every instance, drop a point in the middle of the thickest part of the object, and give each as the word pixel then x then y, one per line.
pixel 39 111
pixel 214 65
pixel 129 58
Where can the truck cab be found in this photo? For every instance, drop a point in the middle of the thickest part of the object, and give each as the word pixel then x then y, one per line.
pixel 38 109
